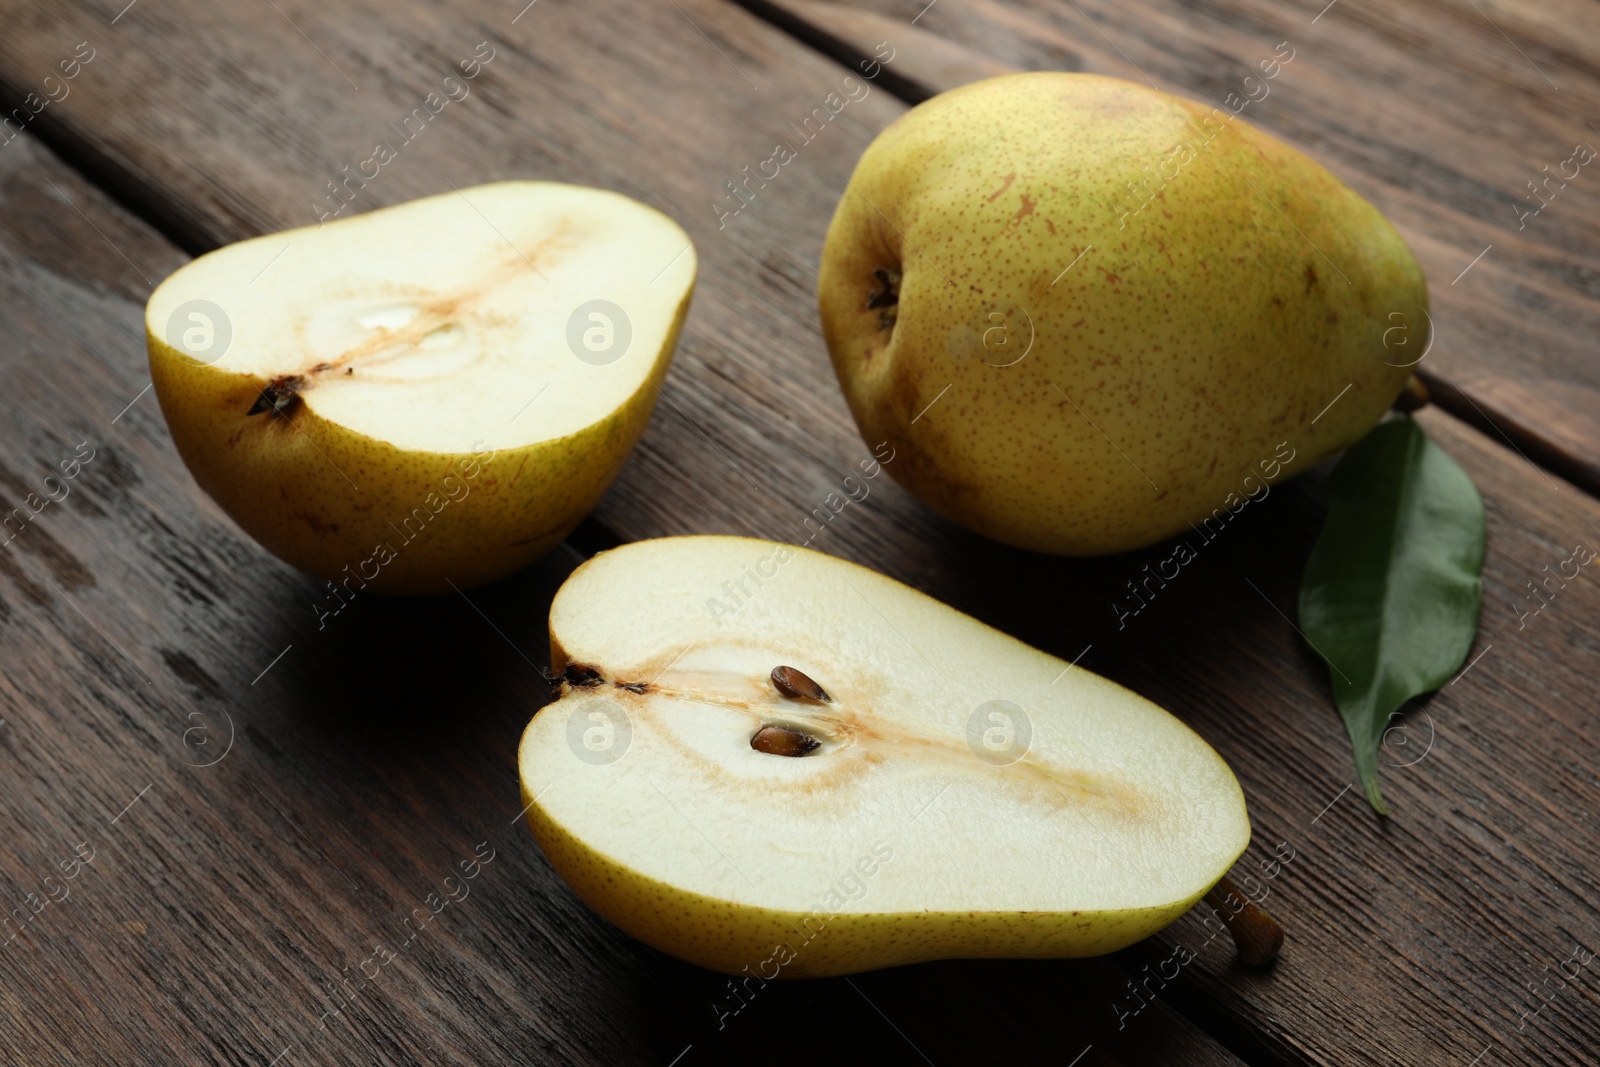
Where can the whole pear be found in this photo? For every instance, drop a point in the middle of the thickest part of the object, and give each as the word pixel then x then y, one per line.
pixel 1088 313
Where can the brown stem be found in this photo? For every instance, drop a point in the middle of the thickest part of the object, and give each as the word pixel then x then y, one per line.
pixel 1256 935
pixel 1413 395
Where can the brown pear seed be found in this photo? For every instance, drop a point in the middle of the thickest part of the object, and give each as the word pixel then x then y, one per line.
pixel 1256 935
pixel 799 686
pixel 777 740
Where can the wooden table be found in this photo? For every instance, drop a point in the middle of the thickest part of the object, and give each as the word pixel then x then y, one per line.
pixel 248 806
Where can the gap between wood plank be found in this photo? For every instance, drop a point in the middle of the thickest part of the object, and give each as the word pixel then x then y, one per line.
pixel 1449 398
pixel 145 203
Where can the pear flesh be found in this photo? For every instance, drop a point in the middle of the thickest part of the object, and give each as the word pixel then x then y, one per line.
pixel 1088 313
pixel 965 795
pixel 429 393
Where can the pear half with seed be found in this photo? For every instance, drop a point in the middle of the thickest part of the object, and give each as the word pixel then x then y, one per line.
pixel 768 761
pixel 426 394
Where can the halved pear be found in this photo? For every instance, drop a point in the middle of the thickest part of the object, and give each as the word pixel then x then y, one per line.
pixel 913 785
pixel 429 393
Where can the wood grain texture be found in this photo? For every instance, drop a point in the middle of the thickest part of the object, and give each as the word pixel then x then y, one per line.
pixel 264 804
pixel 1441 114
pixel 392 733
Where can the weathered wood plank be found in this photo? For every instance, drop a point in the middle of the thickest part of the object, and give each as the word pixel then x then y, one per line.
pixel 1424 108
pixel 265 803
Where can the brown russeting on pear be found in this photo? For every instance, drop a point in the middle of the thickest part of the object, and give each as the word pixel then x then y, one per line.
pixel 783 741
pixel 797 685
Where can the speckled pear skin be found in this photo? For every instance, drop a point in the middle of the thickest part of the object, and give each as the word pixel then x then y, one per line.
pixel 325 498
pixel 1196 334
pixel 768 943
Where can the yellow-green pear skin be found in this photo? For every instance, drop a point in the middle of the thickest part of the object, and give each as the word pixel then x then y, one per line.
pixel 427 395
pixel 1085 311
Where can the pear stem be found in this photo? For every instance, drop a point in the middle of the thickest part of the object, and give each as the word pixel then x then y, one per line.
pixel 1256 935
pixel 1413 395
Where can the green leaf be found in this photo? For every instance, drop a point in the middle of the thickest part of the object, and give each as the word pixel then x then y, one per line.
pixel 1392 590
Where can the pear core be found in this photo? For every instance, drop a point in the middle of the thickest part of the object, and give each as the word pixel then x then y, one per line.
pixel 966 795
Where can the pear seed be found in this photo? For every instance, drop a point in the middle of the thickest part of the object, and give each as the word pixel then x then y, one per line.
pixel 795 684
pixel 783 741
pixel 1256 935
